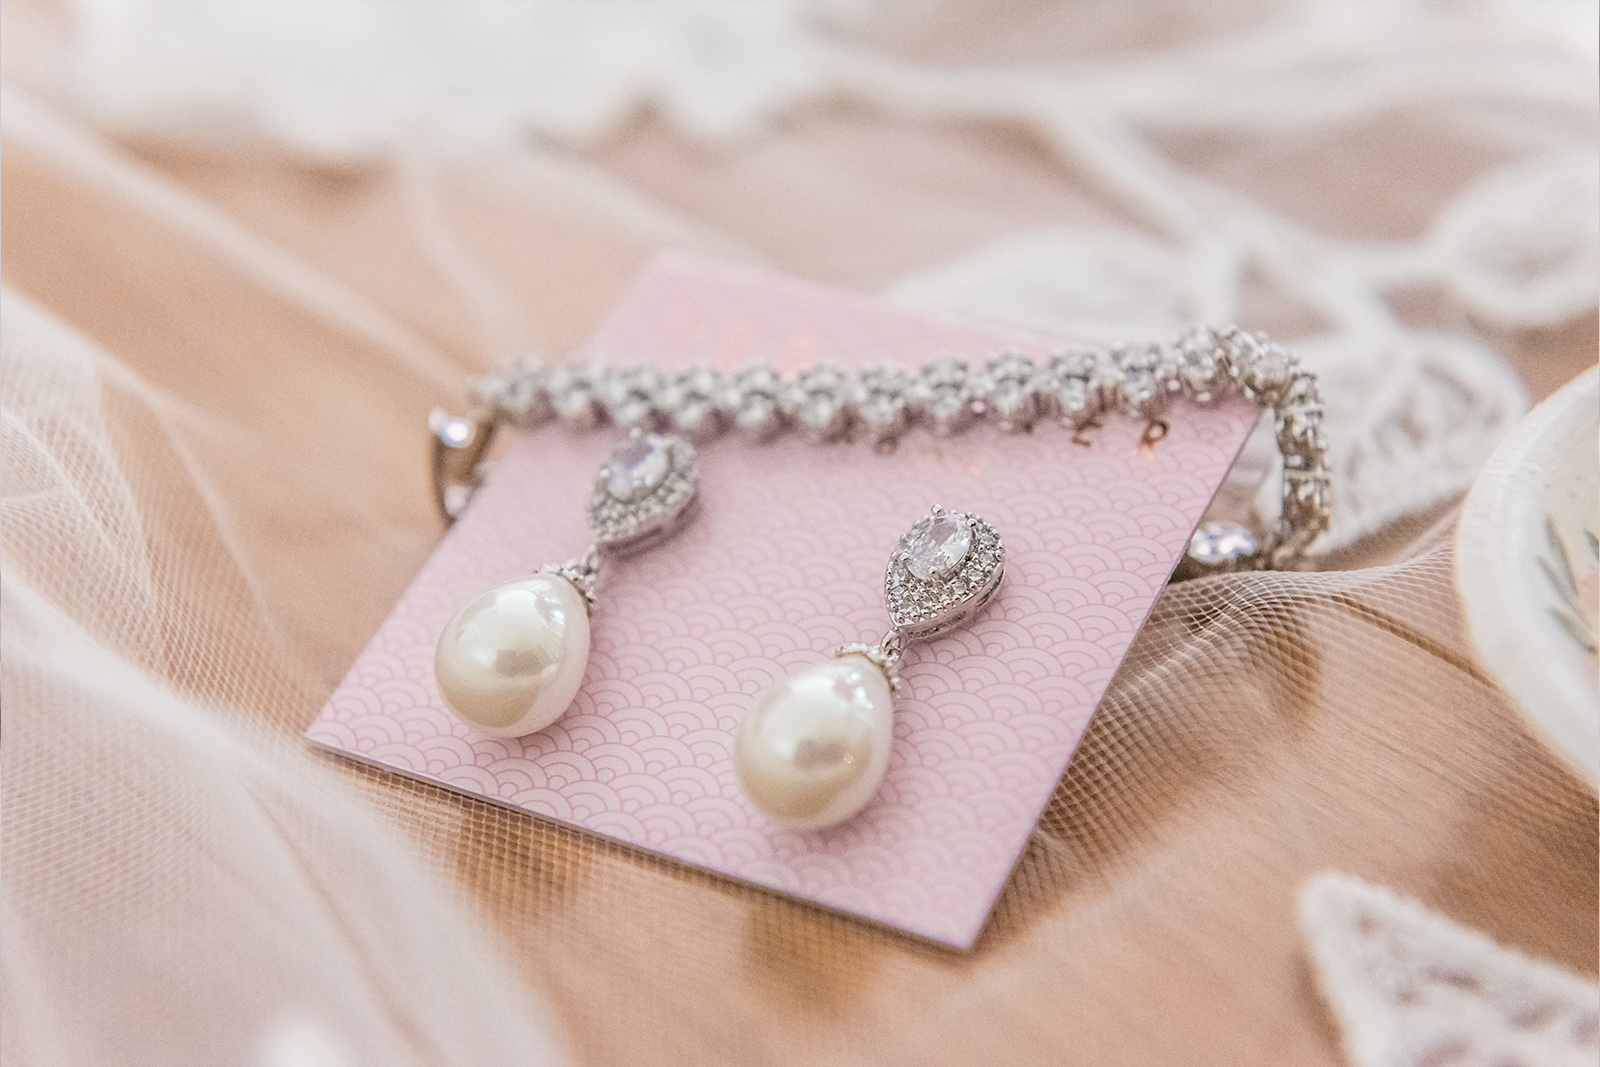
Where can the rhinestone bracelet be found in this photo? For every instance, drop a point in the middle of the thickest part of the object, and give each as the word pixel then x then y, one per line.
pixel 1075 387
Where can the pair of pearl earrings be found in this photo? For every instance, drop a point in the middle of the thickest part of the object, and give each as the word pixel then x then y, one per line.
pixel 812 749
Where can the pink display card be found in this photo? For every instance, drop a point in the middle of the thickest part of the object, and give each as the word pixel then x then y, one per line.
pixel 783 563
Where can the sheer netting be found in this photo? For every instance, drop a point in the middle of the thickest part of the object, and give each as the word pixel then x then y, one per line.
pixel 217 363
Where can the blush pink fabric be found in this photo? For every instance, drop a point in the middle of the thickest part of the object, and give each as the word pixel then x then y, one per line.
pixel 783 564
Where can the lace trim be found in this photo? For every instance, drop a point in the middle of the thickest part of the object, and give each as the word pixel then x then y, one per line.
pixel 1411 987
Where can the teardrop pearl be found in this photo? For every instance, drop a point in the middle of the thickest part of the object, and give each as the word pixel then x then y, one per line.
pixel 812 749
pixel 510 662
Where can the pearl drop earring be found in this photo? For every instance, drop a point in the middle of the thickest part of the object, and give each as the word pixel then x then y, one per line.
pixel 812 749
pixel 510 662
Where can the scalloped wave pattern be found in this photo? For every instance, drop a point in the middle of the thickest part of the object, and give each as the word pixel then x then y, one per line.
pixel 783 563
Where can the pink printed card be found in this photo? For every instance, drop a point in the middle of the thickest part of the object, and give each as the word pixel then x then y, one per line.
pixel 783 563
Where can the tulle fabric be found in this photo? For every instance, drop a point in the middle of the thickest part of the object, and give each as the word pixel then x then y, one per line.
pixel 216 371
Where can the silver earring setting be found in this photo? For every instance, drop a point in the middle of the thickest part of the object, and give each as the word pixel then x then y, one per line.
pixel 510 662
pixel 813 748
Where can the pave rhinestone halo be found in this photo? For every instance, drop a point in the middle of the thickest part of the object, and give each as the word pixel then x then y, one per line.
pixel 945 568
pixel 645 492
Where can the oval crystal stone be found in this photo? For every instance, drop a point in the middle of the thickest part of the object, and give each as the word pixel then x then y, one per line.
pixel 937 545
pixel 639 467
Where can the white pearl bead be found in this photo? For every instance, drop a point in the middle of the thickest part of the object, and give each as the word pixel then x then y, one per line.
pixel 511 661
pixel 812 749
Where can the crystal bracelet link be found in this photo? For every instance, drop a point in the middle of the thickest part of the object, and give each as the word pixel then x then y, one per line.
pixel 1075 387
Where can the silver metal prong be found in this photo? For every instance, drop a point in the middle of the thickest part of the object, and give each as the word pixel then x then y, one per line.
pixel 459 445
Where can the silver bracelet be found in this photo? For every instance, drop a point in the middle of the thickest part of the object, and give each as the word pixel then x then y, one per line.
pixel 1075 387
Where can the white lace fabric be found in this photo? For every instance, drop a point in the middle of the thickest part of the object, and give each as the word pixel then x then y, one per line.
pixel 248 245
pixel 1410 986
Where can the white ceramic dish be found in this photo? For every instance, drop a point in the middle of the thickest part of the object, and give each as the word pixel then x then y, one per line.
pixel 1528 568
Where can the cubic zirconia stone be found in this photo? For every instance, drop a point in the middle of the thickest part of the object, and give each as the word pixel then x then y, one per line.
pixel 1009 399
pixel 1272 368
pixel 1011 366
pixel 695 417
pixel 945 374
pixel 938 545
pixel 576 409
pixel 946 410
pixel 1139 388
pixel 1074 363
pixel 1073 395
pixel 1199 367
pixel 456 432
pixel 757 416
pixel 639 467
pixel 1219 542
pixel 881 411
pixel 632 412
pixel 818 413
